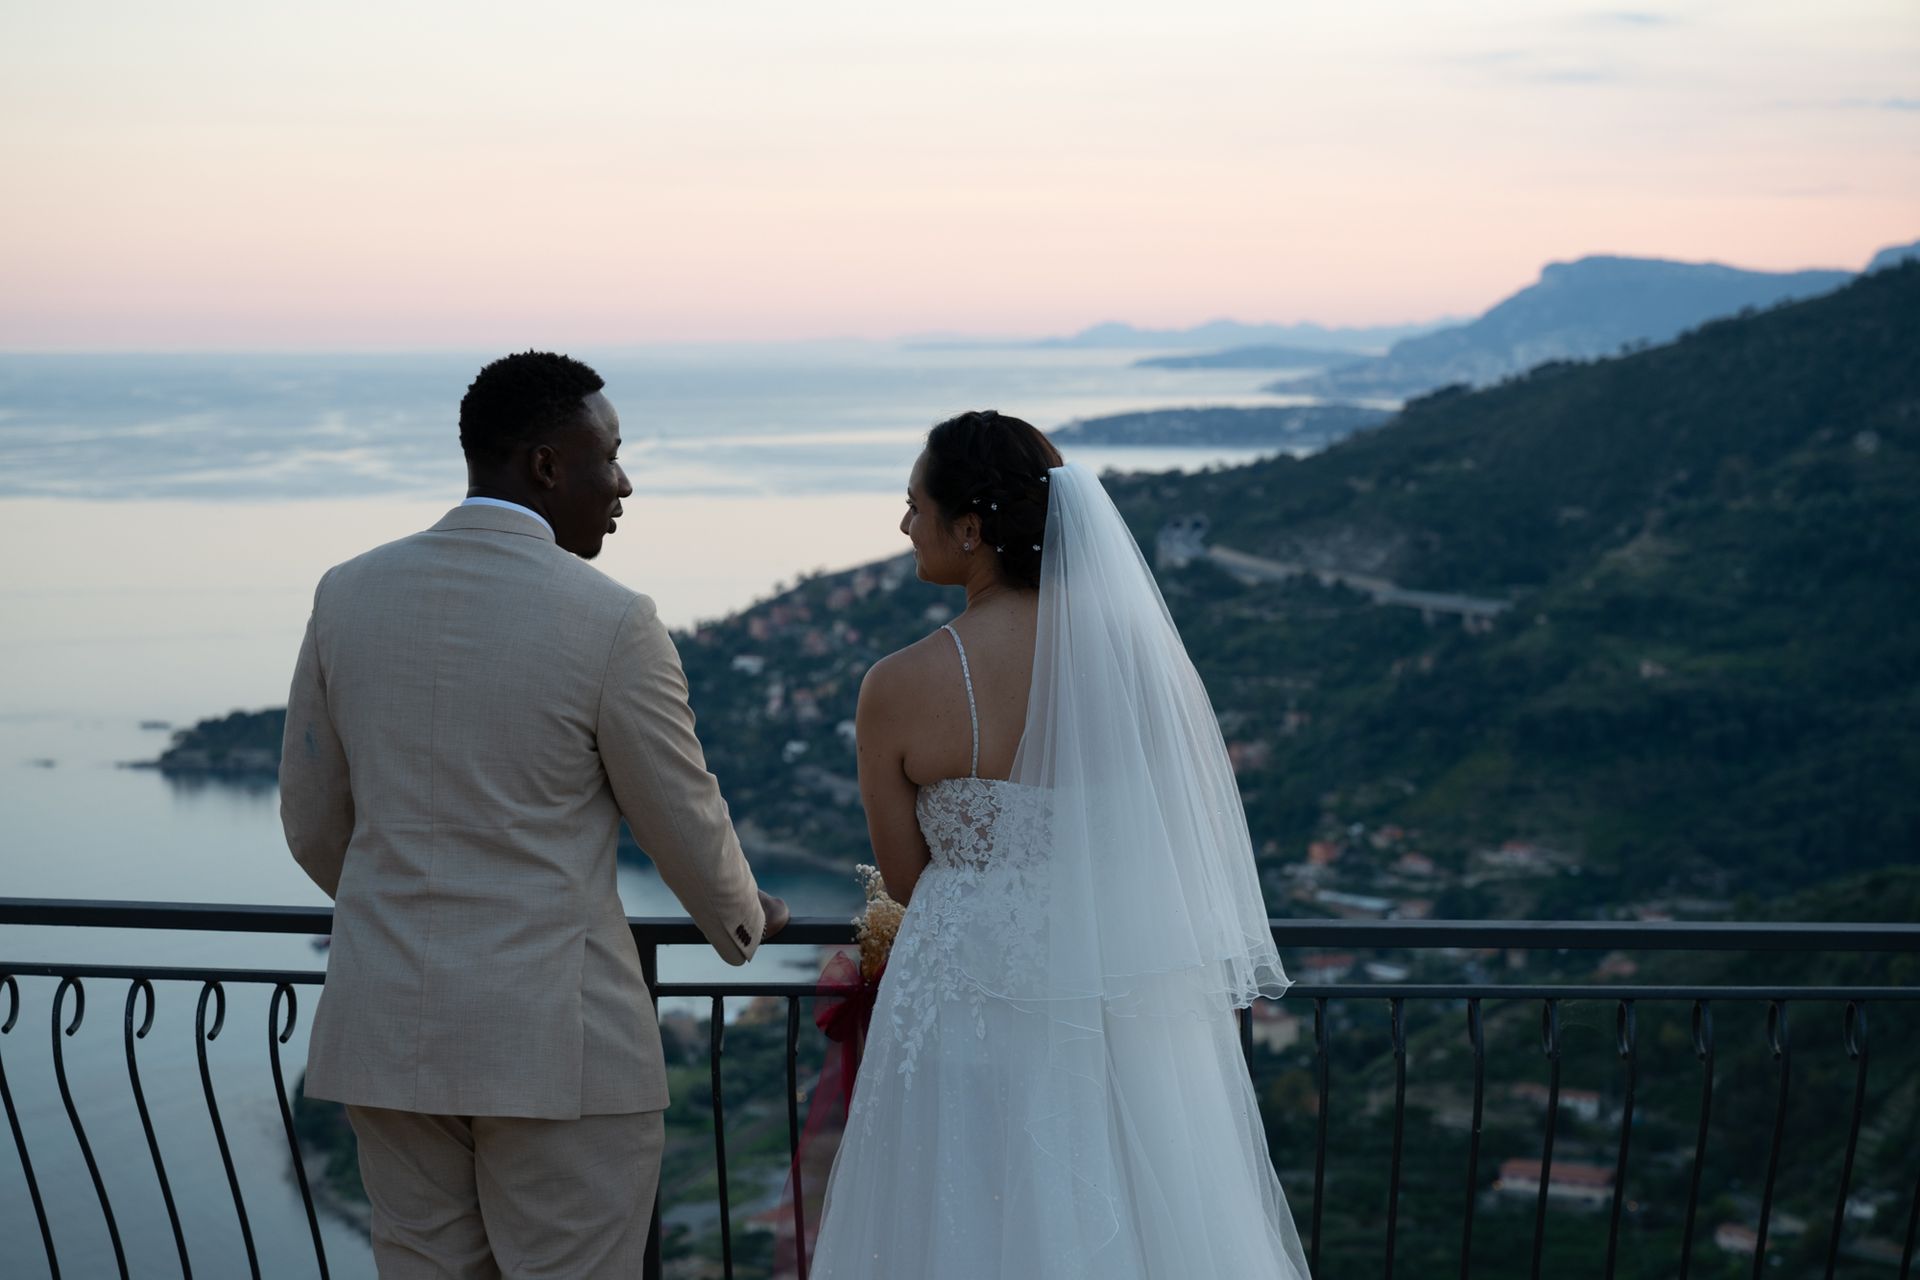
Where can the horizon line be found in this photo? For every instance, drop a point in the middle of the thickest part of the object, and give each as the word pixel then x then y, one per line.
pixel 930 339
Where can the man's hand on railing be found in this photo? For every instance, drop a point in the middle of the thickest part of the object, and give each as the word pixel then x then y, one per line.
pixel 777 915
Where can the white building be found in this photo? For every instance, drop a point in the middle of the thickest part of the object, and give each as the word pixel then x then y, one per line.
pixel 1589 1186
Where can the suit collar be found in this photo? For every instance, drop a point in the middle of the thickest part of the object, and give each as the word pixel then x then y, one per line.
pixel 494 520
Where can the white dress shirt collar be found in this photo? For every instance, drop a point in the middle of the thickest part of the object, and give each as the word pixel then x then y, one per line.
pixel 504 505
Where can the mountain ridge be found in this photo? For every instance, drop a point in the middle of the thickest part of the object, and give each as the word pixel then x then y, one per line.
pixel 1234 333
pixel 1580 309
pixel 1261 356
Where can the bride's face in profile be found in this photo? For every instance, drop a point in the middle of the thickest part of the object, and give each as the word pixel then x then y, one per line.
pixel 940 553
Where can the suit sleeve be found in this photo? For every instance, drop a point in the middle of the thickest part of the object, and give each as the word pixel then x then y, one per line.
pixel 661 783
pixel 316 799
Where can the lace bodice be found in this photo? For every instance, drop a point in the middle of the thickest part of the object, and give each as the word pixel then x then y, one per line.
pixel 979 909
pixel 969 822
pixel 976 924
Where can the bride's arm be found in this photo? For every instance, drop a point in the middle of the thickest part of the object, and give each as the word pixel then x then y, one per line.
pixel 882 724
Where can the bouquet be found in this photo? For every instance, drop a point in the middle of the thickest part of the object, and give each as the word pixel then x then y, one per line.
pixel 876 925
pixel 847 990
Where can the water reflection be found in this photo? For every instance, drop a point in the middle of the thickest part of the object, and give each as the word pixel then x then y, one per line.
pixel 255 788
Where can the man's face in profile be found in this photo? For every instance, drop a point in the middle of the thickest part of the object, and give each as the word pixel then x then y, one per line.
pixel 589 480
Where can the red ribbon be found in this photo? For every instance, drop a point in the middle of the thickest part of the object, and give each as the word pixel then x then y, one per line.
pixel 842 1009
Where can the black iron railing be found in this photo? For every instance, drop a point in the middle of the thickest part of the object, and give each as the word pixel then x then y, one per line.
pixel 1470 1000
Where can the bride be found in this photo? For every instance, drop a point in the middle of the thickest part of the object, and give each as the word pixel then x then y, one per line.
pixel 1052 1086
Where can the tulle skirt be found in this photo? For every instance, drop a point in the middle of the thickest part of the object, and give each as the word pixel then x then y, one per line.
pixel 982 1142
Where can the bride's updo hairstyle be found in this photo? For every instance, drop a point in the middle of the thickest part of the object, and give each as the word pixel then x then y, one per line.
pixel 995 467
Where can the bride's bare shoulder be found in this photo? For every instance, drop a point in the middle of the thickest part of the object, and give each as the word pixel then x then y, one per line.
pixel 906 672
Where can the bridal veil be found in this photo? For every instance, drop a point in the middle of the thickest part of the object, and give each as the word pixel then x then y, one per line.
pixel 1155 929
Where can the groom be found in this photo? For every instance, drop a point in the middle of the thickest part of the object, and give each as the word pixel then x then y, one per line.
pixel 473 711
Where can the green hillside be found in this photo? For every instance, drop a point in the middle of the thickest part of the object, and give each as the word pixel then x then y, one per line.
pixel 1708 677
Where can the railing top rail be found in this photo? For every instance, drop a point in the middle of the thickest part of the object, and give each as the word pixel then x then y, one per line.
pixel 222 917
pixel 1567 935
pixel 1299 994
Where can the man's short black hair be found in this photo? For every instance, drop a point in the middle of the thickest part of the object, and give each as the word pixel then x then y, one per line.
pixel 522 399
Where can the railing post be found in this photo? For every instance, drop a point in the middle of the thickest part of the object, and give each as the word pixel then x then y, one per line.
pixel 73 1112
pixel 793 1138
pixel 716 1045
pixel 650 973
pixel 142 987
pixel 1855 1039
pixel 278 1035
pixel 1625 1033
pixel 1550 1044
pixel 203 1035
pixel 1703 1050
pixel 1320 1131
pixel 1476 1036
pixel 19 1136
pixel 1913 1228
pixel 1781 1048
pixel 1397 1014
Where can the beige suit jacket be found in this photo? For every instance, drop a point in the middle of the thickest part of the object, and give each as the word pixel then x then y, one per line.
pixel 473 711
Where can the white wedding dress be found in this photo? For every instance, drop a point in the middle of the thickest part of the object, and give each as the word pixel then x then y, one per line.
pixel 1052 1086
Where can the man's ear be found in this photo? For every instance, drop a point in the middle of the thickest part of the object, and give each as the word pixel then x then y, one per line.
pixel 543 466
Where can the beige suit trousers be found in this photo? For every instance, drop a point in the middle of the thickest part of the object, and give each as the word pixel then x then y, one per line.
pixel 478 1197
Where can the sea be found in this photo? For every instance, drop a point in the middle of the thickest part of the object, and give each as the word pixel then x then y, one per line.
pixel 163 520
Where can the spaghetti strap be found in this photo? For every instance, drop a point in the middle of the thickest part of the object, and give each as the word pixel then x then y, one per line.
pixel 973 712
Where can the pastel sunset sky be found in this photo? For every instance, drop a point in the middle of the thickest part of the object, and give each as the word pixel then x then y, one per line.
pixel 213 174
